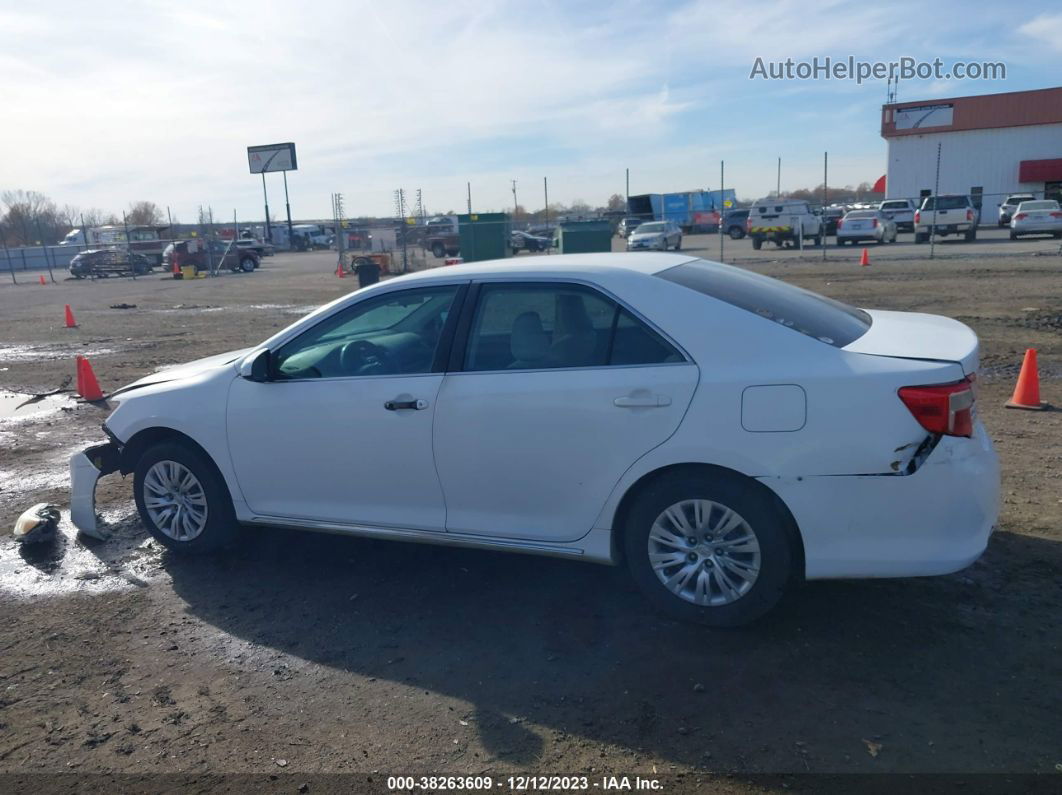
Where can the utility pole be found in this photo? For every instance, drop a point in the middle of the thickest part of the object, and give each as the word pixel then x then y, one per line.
pixel 722 210
pixel 287 205
pixel 545 193
pixel 778 184
pixel 627 193
pixel 825 192
pixel 469 198
pixel 265 196
pixel 936 208
pixel 515 205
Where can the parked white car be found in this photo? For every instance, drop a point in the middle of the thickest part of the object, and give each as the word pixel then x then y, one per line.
pixel 1010 206
pixel 1036 218
pixel 655 235
pixel 865 225
pixel 721 434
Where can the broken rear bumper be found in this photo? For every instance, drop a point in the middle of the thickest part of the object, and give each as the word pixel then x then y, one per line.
pixel 86 468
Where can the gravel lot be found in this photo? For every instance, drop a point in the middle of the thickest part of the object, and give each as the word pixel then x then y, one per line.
pixel 298 654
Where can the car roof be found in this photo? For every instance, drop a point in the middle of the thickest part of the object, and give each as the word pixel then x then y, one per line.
pixel 555 266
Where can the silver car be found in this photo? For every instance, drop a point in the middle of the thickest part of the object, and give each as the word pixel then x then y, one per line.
pixel 871 225
pixel 1036 218
pixel 655 235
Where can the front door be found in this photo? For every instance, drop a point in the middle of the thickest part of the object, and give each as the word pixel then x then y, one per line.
pixel 342 431
pixel 560 391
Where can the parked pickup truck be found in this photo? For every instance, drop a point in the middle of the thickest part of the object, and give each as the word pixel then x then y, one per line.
pixel 946 215
pixel 441 237
pixel 901 212
pixel 783 222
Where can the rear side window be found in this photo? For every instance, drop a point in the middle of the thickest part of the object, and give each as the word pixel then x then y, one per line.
pixel 946 203
pixel 801 310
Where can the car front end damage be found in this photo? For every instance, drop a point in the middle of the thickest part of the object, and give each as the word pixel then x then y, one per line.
pixel 86 468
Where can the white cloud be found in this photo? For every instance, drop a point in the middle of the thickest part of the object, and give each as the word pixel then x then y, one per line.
pixel 1046 28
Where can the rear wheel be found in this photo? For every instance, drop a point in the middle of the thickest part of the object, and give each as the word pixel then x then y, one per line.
pixel 921 237
pixel 438 250
pixel 708 548
pixel 971 235
pixel 757 242
pixel 247 264
pixel 736 233
pixel 182 499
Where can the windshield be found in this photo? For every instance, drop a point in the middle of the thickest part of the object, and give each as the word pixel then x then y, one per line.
pixel 651 228
pixel 803 311
pixel 1018 199
pixel 894 205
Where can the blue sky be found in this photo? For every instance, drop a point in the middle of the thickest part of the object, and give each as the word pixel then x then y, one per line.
pixel 108 103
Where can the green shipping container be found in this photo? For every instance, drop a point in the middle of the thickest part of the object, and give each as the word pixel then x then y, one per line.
pixel 484 236
pixel 585 237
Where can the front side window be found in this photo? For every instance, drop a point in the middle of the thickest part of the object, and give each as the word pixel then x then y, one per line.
pixel 393 334
pixel 551 326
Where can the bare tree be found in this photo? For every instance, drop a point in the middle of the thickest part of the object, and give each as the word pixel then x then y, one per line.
pixel 617 203
pixel 144 213
pixel 28 216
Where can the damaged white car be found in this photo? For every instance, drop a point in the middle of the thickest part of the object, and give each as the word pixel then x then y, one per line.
pixel 721 434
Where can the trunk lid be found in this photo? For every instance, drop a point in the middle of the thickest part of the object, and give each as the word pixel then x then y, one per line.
pixel 913 335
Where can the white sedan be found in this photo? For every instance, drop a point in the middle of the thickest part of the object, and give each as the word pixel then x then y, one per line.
pixel 655 235
pixel 872 225
pixel 721 434
pixel 1036 218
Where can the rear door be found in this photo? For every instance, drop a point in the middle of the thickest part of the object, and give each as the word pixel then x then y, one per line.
pixel 554 391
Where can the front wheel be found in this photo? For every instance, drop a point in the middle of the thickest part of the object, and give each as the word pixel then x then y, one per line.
pixel 736 233
pixel 182 499
pixel 247 264
pixel 678 244
pixel 708 548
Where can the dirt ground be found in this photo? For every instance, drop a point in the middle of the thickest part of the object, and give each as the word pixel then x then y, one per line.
pixel 297 655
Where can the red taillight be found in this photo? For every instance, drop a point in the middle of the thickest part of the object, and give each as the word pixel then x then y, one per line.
pixel 969 215
pixel 840 222
pixel 918 216
pixel 748 224
pixel 1019 216
pixel 942 408
pixel 875 224
pixel 1056 215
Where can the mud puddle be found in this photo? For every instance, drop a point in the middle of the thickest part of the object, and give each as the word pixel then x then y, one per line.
pixel 50 352
pixel 19 406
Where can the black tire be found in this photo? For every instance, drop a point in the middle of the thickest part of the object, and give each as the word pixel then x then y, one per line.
pixel 921 237
pixel 678 245
pixel 1014 235
pixel 757 243
pixel 736 232
pixel 438 250
pixel 971 235
pixel 816 241
pixel 1057 235
pixel 220 529
pixel 771 530
pixel 247 264
pixel 840 243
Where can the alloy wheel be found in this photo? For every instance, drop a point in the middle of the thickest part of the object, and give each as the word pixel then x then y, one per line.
pixel 704 552
pixel 175 500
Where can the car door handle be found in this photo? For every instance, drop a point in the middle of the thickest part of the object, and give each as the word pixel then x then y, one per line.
pixel 402 405
pixel 641 401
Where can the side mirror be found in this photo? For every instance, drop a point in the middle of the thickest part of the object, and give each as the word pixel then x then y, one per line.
pixel 255 366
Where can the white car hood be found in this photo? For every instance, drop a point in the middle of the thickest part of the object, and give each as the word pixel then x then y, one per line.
pixel 187 370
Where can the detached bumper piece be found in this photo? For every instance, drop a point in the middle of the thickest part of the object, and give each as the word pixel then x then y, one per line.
pixel 86 468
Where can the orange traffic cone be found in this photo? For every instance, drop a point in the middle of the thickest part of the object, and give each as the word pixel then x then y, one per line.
pixel 42 279
pixel 1027 391
pixel 87 385
pixel 340 272
pixel 70 317
pixel 865 259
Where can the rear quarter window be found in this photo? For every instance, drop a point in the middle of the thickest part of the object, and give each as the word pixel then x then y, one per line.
pixel 828 321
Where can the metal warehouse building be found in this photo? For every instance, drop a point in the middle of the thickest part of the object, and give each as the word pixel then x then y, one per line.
pixel 991 146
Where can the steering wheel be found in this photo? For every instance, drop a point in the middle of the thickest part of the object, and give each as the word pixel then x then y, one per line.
pixel 359 354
